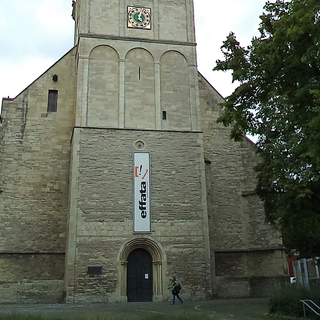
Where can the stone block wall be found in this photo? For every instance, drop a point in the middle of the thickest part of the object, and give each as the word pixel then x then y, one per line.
pixel 32 278
pixel 103 87
pixel 34 170
pixel 170 20
pixel 104 209
pixel 125 84
pixel 249 273
pixel 243 246
pixel 140 111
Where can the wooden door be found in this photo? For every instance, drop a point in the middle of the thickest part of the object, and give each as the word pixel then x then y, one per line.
pixel 139 276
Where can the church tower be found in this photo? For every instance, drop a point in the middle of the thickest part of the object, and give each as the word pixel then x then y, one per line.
pixel 137 203
pixel 133 62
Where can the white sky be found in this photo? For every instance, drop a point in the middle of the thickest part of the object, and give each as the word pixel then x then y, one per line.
pixel 34 34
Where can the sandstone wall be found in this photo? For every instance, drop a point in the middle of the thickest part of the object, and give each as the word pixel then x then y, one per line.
pixel 245 251
pixel 122 83
pixel 170 20
pixel 103 208
pixel 34 170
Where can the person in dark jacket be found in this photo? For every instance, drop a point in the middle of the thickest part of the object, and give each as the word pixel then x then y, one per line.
pixel 176 289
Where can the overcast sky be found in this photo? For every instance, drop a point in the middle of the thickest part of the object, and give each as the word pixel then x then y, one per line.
pixel 36 33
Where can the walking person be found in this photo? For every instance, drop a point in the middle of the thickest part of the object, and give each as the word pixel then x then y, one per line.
pixel 176 289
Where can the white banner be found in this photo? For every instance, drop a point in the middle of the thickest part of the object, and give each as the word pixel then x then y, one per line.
pixel 141 192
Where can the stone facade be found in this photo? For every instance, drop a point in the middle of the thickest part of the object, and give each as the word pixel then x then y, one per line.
pixel 104 209
pixel 66 191
pixel 34 157
pixel 244 250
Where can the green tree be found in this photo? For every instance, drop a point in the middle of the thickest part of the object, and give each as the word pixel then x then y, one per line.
pixel 278 99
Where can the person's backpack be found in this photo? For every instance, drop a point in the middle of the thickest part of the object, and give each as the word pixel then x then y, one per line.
pixel 179 286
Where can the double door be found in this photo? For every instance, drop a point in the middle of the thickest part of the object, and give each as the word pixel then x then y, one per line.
pixel 139 276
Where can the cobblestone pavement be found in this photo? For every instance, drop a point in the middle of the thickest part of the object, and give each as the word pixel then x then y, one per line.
pixel 218 309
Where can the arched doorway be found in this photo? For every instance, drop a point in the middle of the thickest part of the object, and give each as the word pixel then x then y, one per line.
pixel 159 266
pixel 139 276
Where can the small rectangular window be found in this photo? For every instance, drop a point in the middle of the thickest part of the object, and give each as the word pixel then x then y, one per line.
pixel 92 271
pixel 52 101
pixel 164 115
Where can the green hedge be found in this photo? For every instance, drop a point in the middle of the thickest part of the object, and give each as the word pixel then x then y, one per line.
pixel 286 300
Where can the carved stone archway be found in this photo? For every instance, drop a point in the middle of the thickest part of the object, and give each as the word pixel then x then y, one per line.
pixel 159 264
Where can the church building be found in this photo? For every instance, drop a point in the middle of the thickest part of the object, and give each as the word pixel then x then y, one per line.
pixel 115 176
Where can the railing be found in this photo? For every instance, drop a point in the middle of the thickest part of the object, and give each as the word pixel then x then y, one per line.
pixel 310 304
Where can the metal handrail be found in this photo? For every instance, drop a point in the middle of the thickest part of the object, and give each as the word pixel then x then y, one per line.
pixel 305 303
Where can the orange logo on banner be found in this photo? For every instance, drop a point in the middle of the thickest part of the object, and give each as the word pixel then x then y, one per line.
pixel 137 172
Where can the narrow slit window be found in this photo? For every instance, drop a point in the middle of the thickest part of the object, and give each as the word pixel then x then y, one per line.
pixel 139 73
pixel 52 101
pixel 164 115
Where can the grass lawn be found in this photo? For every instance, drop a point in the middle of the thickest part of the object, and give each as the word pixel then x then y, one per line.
pixel 218 309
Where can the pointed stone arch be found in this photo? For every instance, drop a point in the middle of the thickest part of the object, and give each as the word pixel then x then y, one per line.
pixel 159 263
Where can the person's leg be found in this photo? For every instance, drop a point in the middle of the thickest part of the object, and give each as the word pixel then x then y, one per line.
pixel 179 298
pixel 173 299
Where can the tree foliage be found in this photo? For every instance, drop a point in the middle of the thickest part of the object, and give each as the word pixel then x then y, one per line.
pixel 278 99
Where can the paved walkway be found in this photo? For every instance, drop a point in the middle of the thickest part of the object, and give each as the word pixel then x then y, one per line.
pixel 218 309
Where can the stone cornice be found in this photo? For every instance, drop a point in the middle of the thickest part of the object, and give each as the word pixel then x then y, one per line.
pixel 111 37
